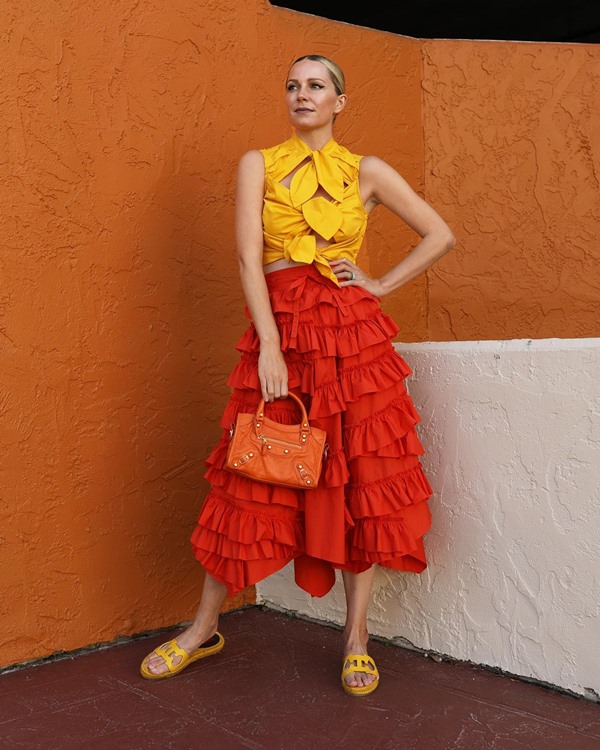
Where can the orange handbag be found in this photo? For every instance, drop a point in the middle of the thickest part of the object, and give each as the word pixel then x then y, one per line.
pixel 282 454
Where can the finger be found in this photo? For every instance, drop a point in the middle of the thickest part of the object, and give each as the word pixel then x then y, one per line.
pixel 283 387
pixel 263 388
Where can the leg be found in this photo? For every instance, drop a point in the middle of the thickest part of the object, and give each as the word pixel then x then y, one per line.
pixel 358 593
pixel 203 627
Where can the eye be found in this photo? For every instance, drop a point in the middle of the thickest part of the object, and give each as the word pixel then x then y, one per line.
pixel 317 86
pixel 291 86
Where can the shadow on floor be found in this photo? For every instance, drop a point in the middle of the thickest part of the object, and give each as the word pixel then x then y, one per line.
pixel 276 686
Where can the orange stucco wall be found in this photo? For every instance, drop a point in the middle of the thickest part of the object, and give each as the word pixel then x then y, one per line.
pixel 512 162
pixel 120 301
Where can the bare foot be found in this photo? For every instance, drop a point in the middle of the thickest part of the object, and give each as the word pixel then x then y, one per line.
pixel 357 679
pixel 188 640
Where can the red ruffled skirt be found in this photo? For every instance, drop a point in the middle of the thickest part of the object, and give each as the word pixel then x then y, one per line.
pixel 371 505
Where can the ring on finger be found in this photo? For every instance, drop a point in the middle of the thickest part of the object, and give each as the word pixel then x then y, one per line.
pixel 352 276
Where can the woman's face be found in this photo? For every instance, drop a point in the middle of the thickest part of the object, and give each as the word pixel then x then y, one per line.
pixel 310 97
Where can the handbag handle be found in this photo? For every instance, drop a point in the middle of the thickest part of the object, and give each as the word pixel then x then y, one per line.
pixel 260 413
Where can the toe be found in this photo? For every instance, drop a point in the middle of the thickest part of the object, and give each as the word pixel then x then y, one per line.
pixel 359 679
pixel 155 664
pixel 158 667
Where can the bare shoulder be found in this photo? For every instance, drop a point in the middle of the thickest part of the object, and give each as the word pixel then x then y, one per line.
pixel 250 180
pixel 378 181
pixel 373 167
pixel 251 161
pixel 251 174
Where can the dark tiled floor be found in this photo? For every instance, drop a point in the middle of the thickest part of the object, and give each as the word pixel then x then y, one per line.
pixel 275 686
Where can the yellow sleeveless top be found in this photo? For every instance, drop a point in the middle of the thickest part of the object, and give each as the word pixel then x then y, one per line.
pixel 293 217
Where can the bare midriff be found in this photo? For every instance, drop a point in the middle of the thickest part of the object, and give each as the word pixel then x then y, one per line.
pixel 277 265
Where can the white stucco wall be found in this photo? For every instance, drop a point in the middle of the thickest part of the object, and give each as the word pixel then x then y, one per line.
pixel 512 437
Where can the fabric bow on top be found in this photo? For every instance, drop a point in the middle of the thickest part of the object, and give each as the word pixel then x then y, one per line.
pixel 320 170
pixel 317 191
pixel 322 215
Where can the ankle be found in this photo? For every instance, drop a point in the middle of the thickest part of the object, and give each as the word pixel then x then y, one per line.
pixel 355 639
pixel 201 630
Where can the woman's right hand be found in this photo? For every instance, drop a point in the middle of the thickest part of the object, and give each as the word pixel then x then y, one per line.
pixel 272 372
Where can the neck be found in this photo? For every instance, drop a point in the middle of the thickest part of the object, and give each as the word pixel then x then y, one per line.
pixel 315 139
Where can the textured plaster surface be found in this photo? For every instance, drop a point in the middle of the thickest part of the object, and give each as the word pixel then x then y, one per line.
pixel 512 162
pixel 117 296
pixel 512 437
pixel 120 302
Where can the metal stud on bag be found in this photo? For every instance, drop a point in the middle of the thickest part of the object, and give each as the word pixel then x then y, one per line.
pixel 267 451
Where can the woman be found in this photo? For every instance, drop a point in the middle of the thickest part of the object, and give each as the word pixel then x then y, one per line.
pixel 317 330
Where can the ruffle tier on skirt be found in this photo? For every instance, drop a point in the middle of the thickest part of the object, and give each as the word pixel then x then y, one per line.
pixel 371 505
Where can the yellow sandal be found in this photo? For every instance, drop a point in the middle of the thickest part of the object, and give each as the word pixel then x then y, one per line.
pixel 359 663
pixel 171 650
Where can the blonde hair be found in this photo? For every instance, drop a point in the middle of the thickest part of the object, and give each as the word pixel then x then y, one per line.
pixel 335 72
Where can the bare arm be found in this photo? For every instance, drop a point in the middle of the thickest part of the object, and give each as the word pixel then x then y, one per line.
pixel 382 184
pixel 272 369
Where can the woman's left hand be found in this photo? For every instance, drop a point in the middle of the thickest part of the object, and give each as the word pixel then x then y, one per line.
pixel 349 274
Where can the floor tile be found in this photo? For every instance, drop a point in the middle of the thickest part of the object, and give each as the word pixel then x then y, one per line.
pixel 276 686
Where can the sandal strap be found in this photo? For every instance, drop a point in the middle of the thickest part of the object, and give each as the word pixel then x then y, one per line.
pixel 169 651
pixel 359 663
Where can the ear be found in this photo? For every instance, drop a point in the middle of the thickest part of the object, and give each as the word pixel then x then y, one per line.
pixel 340 104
